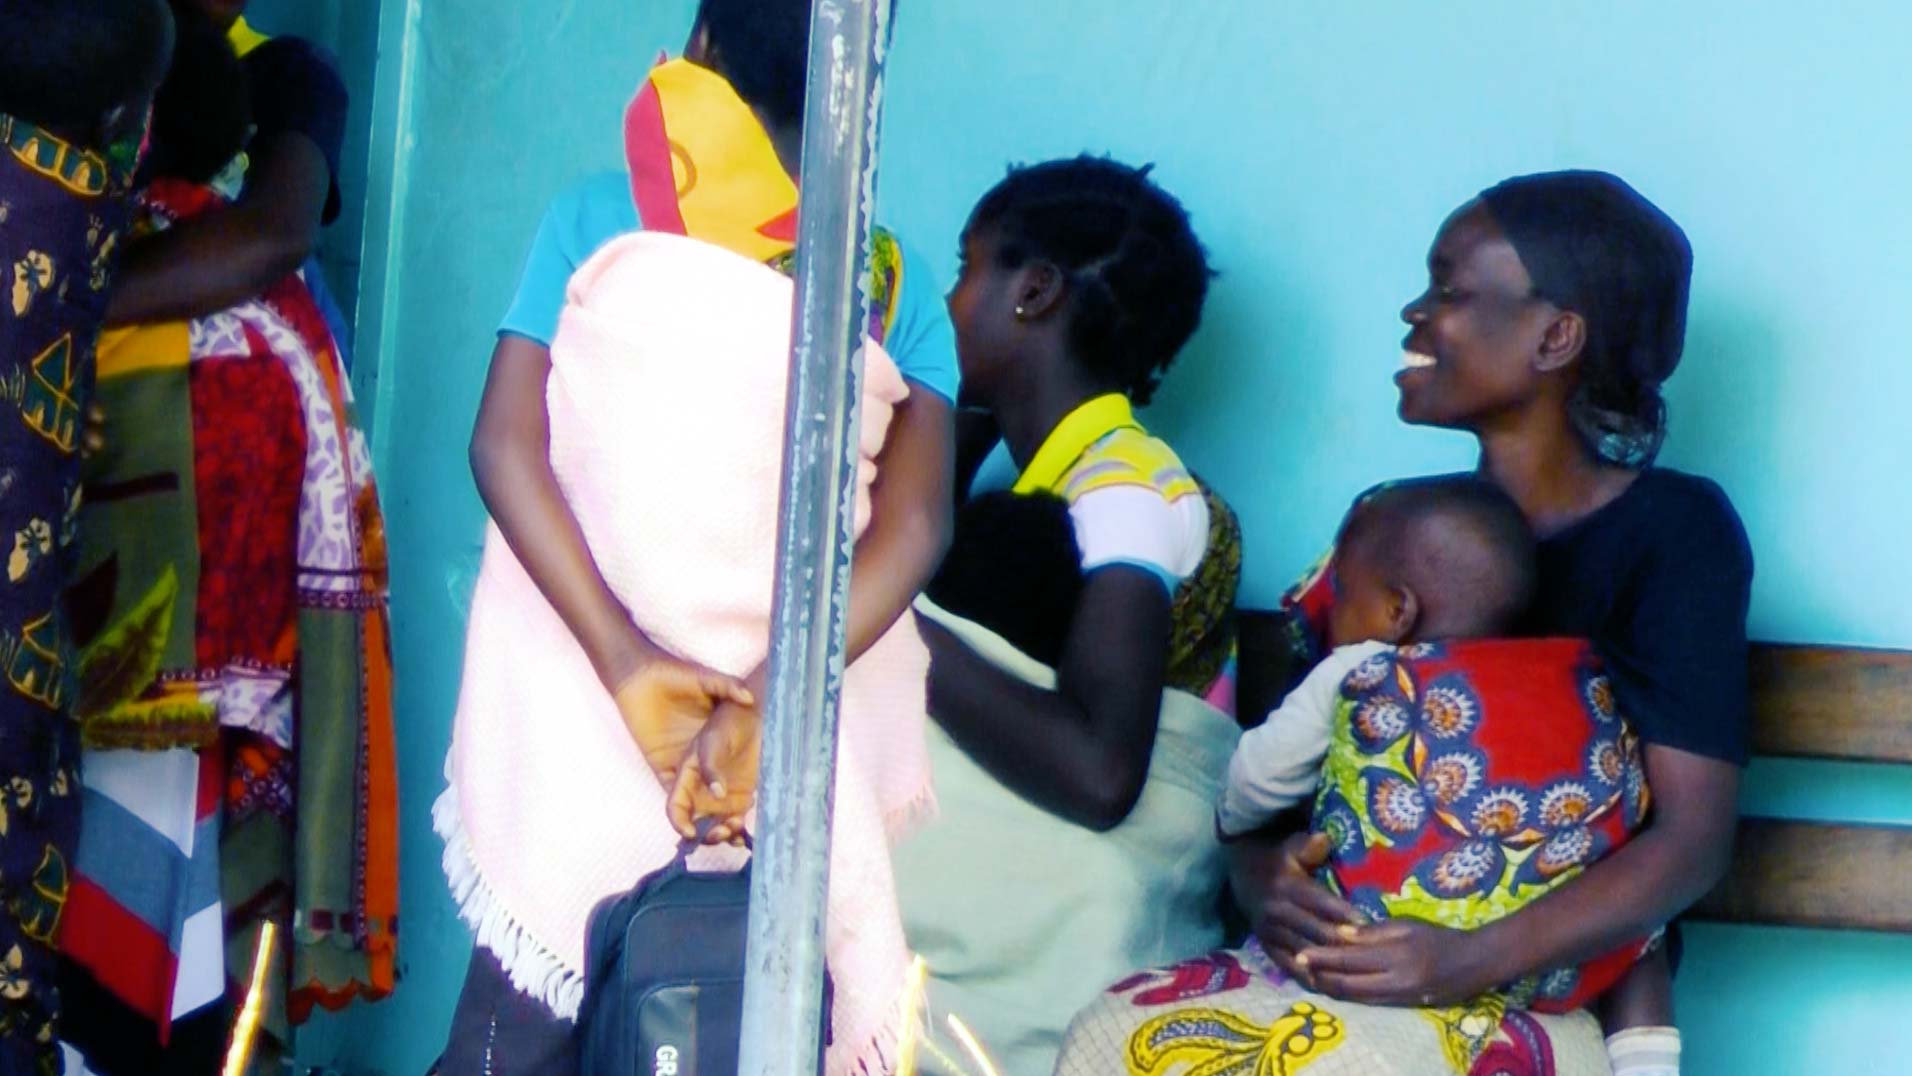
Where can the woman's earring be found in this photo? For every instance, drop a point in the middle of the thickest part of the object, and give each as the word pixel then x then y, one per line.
pixel 1021 312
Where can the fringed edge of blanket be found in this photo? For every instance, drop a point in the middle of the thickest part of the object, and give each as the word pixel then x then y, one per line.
pixel 879 1054
pixel 535 970
pixel 905 819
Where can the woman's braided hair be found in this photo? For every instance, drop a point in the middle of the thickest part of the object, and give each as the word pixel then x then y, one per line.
pixel 1136 272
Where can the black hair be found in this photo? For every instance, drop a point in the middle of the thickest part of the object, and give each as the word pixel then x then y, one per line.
pixel 1014 567
pixel 202 115
pixel 66 64
pixel 1595 246
pixel 763 49
pixel 1460 543
pixel 1138 273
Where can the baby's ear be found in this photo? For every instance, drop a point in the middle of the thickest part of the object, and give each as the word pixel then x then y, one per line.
pixel 1404 615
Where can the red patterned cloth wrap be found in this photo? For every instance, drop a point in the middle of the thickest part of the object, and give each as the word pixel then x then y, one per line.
pixel 1465 780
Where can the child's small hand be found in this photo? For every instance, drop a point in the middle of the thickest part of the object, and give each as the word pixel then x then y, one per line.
pixel 719 778
pixel 666 703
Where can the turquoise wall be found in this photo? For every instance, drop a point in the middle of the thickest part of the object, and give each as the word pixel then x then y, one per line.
pixel 1319 145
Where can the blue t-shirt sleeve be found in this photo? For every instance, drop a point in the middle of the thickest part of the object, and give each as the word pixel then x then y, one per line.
pixel 921 341
pixel 579 221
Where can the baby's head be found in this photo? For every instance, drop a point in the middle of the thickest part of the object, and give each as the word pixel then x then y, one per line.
pixel 1014 568
pixel 84 69
pixel 1438 558
pixel 202 115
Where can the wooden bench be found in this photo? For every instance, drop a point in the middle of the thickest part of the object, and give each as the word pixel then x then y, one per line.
pixel 1809 702
pixel 1840 704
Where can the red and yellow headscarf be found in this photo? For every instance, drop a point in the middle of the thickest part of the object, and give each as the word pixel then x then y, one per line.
pixel 702 166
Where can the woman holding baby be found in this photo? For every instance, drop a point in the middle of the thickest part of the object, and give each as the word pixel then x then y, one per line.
pixel 1555 310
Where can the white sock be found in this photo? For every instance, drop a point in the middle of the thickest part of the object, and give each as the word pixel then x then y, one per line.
pixel 1645 1051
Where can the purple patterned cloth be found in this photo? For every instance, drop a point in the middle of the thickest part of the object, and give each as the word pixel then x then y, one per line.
pixel 61 212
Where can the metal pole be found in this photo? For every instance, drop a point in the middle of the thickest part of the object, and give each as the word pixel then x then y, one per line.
pixel 783 976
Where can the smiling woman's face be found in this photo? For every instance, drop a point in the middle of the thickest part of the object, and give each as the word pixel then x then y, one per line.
pixel 1474 337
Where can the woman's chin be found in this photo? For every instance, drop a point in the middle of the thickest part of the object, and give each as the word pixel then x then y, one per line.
pixel 1411 407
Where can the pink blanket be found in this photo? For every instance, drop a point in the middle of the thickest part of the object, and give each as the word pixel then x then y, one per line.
pixel 667 411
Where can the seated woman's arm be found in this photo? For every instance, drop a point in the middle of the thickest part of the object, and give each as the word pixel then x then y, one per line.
pixel 218 260
pixel 1082 751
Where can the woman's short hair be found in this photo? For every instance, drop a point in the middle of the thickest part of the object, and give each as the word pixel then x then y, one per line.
pixel 202 115
pixel 1138 274
pixel 763 47
pixel 1593 245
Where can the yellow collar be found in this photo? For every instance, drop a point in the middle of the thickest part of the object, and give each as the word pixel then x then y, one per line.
pixel 243 37
pixel 1081 428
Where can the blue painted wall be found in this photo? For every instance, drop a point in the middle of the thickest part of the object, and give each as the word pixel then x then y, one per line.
pixel 1319 146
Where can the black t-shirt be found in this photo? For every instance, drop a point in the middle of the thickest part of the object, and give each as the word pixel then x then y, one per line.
pixel 295 87
pixel 1660 581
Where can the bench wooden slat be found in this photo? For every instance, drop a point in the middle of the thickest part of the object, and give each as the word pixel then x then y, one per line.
pixel 1832 703
pixel 1816 874
pixel 1808 702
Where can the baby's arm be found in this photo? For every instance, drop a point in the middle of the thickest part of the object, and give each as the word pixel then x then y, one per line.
pixel 1278 764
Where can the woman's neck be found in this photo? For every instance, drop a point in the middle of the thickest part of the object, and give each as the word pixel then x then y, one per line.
pixel 1551 475
pixel 1030 413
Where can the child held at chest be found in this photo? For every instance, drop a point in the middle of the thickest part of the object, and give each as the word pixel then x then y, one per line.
pixel 1423 742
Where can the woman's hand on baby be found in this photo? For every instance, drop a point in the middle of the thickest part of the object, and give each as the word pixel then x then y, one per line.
pixel 1402 962
pixel 1291 912
pixel 667 702
pixel 718 779
pixel 1328 946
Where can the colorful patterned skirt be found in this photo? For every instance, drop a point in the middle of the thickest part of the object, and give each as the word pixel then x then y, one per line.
pixel 1233 1013
pixel 231 606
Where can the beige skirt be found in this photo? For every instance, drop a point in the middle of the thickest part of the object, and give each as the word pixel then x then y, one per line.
pixel 1233 1013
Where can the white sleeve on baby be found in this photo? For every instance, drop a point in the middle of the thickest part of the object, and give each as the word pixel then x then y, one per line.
pixel 1278 764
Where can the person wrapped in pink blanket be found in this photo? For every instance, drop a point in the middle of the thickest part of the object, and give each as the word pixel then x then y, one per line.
pixel 629 451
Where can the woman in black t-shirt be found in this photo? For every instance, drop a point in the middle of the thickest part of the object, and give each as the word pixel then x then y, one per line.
pixel 291 192
pixel 1556 307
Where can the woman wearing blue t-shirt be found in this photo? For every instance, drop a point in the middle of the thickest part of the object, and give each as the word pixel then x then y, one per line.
pixel 742 78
